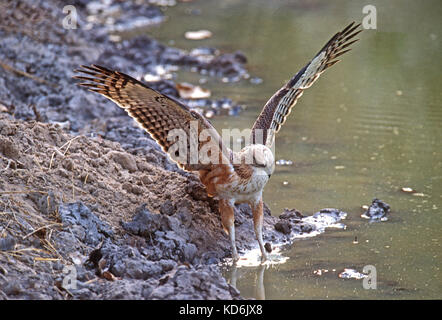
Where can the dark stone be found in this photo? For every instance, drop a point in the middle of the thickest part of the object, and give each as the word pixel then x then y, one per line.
pixel 202 283
pixel 378 210
pixel 283 227
pixel 145 223
pixel 77 214
pixel 268 247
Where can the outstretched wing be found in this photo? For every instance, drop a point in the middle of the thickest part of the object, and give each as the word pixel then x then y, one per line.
pixel 174 126
pixel 277 109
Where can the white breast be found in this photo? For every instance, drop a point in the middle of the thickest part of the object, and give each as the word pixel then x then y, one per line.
pixel 242 191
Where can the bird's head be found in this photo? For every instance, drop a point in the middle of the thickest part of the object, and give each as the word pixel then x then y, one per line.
pixel 259 157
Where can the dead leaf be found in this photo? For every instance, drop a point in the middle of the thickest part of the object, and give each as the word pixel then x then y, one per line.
pixel 198 35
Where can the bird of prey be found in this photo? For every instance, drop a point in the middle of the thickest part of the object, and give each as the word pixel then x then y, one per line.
pixel 232 177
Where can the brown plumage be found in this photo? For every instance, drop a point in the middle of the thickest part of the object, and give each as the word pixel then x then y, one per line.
pixel 232 177
pixel 276 110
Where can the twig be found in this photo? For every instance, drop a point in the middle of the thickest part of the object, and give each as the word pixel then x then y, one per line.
pixel 8 165
pixel 38 163
pixel 58 152
pixel 10 68
pixel 69 144
pixel 45 259
pixel 41 228
pixel 50 162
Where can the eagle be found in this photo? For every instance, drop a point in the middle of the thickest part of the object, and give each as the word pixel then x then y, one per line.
pixel 191 141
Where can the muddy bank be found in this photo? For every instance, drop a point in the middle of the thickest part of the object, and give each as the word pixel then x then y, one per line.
pixel 129 227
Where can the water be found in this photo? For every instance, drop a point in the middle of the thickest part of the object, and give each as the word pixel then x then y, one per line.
pixel 369 126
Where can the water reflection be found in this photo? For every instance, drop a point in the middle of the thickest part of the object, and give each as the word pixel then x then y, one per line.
pixel 259 292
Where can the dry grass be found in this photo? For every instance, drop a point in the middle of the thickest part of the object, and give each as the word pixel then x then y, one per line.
pixel 20 222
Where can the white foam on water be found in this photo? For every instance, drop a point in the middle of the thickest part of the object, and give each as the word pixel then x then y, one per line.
pixel 351 274
pixel 321 221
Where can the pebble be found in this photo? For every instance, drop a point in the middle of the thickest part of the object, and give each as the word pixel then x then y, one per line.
pixel 282 162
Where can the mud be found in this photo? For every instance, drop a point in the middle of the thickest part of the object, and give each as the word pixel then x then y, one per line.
pixel 90 207
pixel 67 199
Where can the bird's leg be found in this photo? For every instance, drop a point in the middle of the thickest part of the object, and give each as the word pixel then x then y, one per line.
pixel 257 210
pixel 227 212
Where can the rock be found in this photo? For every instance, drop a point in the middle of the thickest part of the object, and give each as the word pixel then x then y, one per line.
pixel 7 244
pixel 145 223
pixel 200 283
pixel 303 227
pixel 283 227
pixel 185 216
pixel 141 269
pixel 67 242
pixel 129 289
pixel 378 210
pixel 189 251
pixel 162 293
pixel 292 214
pixel 268 247
pixel 126 160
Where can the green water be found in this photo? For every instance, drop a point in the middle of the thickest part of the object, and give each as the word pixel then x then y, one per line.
pixel 368 127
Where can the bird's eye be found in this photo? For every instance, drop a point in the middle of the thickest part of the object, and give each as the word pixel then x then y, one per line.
pixel 257 163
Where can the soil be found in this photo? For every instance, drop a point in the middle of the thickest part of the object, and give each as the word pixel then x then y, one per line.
pixel 90 207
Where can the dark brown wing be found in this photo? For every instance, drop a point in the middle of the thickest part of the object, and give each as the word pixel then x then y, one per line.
pixel 163 117
pixel 277 109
